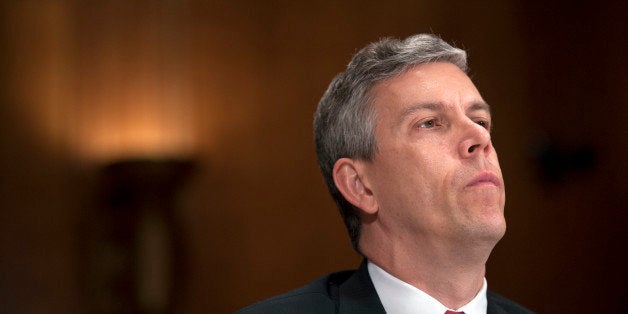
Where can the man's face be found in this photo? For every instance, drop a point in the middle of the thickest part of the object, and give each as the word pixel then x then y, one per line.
pixel 435 173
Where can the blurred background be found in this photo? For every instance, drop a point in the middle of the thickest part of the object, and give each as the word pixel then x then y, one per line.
pixel 157 156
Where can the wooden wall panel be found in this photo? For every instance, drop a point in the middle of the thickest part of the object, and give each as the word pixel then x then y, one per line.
pixel 239 82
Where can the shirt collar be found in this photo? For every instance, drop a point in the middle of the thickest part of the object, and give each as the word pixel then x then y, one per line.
pixel 399 297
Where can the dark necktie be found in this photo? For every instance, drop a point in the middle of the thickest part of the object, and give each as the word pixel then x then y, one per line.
pixel 453 312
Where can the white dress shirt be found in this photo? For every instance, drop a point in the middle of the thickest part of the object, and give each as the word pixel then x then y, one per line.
pixel 399 297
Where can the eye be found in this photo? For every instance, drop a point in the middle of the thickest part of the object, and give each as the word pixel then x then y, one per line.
pixel 428 124
pixel 483 123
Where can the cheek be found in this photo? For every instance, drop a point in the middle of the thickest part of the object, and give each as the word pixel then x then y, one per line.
pixel 398 179
pixel 422 174
pixel 435 182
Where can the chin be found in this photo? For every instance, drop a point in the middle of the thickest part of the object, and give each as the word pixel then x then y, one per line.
pixel 492 230
pixel 489 226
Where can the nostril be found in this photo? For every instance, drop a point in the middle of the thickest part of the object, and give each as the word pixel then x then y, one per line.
pixel 472 148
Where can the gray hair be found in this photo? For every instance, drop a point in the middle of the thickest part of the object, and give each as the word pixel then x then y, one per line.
pixel 344 122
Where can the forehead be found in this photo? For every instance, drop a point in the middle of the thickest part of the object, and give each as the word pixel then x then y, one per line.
pixel 436 84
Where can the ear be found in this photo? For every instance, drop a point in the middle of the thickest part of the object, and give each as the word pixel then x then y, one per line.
pixel 349 180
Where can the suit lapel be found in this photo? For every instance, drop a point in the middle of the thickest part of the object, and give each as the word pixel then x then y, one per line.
pixel 495 309
pixel 357 294
pixel 494 306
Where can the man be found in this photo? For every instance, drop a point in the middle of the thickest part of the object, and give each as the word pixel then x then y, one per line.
pixel 403 141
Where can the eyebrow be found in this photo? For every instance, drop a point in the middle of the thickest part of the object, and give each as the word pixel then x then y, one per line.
pixel 479 106
pixel 435 106
pixel 420 106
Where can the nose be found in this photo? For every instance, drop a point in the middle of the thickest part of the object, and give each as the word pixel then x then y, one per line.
pixel 475 140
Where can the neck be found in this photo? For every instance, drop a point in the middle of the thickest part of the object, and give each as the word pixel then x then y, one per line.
pixel 451 272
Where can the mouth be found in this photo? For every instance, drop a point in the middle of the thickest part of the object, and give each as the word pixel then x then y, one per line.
pixel 485 178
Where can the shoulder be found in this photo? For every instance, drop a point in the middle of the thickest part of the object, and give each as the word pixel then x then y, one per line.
pixel 498 305
pixel 315 297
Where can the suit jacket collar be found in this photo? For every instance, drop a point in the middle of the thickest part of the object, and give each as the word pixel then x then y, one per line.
pixel 494 306
pixel 357 294
pixel 495 309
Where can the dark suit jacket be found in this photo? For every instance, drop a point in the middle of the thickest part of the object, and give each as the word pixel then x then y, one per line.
pixel 349 292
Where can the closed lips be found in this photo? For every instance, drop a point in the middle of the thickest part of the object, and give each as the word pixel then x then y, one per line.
pixel 485 178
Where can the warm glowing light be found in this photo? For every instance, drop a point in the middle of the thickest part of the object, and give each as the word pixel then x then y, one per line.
pixel 112 92
pixel 160 123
